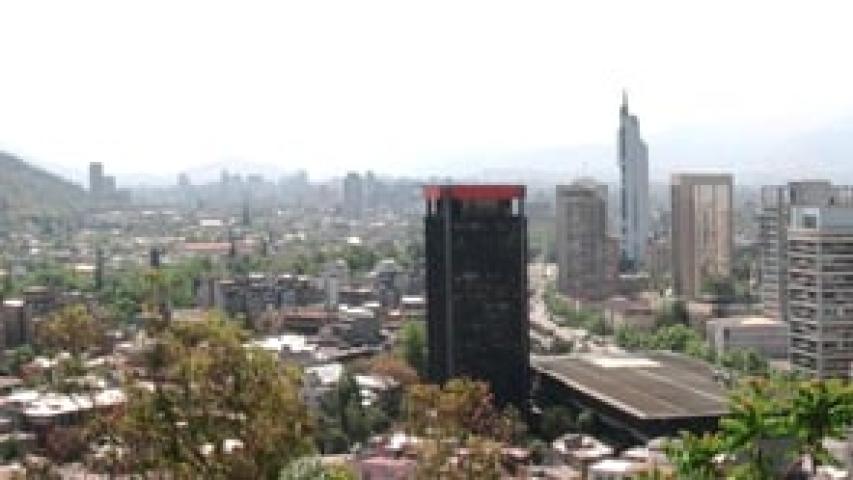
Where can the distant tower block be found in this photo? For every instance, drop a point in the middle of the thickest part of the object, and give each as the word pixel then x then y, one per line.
pixel 633 189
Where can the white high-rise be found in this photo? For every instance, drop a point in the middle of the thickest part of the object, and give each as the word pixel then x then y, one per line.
pixel 820 290
pixel 634 189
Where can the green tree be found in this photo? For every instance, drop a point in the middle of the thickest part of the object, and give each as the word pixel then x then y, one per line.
pixel 698 348
pixel 211 392
pixel 15 358
pixel 440 459
pixel 514 426
pixel 53 276
pixel 722 287
pixel 561 346
pixel 391 366
pixel 693 456
pixel 414 345
pixel 556 421
pixel 755 417
pixel 819 410
pixel 72 329
pixel 633 339
pixel 483 461
pixel 674 338
pixel 360 258
pixel 655 474
pixel 311 468
pixel 460 409
pixel 554 303
pixel 587 421
pixel 345 419
pixel 674 312
pixel 11 449
pixel 122 293
pixel 748 362
pixel 180 278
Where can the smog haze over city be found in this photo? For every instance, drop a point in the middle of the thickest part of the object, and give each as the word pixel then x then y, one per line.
pixel 157 88
pixel 397 240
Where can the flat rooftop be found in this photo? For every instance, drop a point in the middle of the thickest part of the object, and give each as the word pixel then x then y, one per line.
pixel 750 321
pixel 648 386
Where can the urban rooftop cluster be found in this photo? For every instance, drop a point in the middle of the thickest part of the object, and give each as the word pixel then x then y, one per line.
pixel 389 328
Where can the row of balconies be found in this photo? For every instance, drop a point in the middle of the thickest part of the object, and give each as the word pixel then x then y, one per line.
pixel 802 352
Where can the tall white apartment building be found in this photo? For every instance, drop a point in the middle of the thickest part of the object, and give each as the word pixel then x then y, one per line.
pixel 820 290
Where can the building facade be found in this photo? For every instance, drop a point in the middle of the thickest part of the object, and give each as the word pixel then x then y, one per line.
pixel 634 189
pixel 820 290
pixel 353 206
pixel 581 239
pixel 96 179
pixel 103 188
pixel 702 235
pixel 773 220
pixel 766 336
pixel 476 274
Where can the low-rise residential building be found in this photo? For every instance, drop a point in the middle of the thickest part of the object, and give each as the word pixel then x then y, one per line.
pixel 291 347
pixel 359 326
pixel 622 312
pixel 19 317
pixel 554 472
pixel 252 295
pixel 764 335
pixel 38 411
pixel 413 306
pixel 318 380
pixel 386 468
pixel 581 451
pixel 616 469
pixel 302 320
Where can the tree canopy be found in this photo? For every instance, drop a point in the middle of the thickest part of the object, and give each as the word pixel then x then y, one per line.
pixel 217 409
pixel 414 346
pixel 72 329
pixel 773 423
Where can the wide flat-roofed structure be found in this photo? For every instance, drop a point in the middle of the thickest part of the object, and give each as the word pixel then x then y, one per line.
pixel 766 336
pixel 644 395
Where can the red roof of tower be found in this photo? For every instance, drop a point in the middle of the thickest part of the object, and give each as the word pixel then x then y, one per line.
pixel 474 192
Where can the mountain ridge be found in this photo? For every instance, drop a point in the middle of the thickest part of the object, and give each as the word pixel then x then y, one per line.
pixel 29 190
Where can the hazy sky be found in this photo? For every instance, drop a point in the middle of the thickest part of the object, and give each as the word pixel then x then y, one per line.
pixel 165 85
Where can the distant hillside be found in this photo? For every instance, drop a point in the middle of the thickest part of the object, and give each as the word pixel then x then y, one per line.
pixel 28 190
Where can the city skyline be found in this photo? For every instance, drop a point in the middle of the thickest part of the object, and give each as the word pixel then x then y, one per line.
pixel 392 240
pixel 499 81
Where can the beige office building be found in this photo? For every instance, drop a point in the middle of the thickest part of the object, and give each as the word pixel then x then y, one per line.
pixel 702 233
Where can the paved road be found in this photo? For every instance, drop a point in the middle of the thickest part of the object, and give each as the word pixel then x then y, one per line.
pixel 540 275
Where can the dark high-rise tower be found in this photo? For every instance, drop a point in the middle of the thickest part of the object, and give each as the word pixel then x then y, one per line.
pixel 476 271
